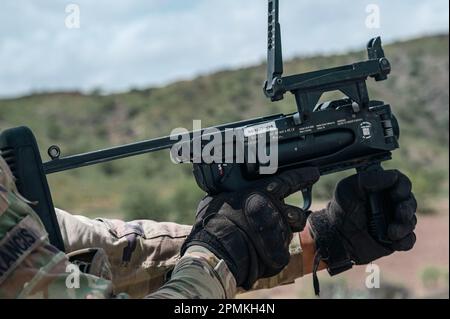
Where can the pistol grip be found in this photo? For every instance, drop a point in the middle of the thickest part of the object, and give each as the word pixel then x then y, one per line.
pixel 378 224
pixel 377 219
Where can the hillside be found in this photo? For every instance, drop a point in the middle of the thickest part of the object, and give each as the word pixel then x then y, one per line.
pixel 151 186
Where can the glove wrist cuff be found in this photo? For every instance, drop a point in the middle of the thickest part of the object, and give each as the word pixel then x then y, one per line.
pixel 204 239
pixel 329 246
pixel 236 259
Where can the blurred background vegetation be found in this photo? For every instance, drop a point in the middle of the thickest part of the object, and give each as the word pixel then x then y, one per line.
pixel 151 186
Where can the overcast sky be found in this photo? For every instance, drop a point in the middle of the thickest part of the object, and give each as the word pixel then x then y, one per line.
pixel 139 43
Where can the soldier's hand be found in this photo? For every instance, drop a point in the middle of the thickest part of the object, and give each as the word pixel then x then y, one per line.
pixel 251 230
pixel 341 231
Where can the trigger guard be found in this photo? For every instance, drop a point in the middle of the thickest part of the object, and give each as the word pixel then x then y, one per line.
pixel 307 198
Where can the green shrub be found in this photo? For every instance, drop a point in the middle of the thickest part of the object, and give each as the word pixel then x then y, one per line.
pixel 184 200
pixel 431 276
pixel 144 202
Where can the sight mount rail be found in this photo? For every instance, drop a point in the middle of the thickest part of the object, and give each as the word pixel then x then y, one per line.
pixel 309 87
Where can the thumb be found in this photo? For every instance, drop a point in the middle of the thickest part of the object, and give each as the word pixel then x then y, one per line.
pixel 295 216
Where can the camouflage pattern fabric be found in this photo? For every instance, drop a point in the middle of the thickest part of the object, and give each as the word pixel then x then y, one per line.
pixel 193 279
pixel 143 252
pixel 29 266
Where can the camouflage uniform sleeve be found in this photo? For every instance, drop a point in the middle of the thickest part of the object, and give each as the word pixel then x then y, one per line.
pixel 30 267
pixel 143 252
pixel 199 274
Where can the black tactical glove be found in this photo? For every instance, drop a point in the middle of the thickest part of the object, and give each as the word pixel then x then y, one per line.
pixel 341 231
pixel 251 230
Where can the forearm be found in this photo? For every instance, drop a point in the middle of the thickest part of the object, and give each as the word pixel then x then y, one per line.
pixel 199 274
pixel 141 253
pixel 309 251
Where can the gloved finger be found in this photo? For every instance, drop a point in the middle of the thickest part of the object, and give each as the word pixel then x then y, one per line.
pixel 405 244
pixel 348 188
pixel 290 182
pixel 295 216
pixel 273 232
pixel 398 231
pixel 377 181
pixel 402 188
pixel 405 211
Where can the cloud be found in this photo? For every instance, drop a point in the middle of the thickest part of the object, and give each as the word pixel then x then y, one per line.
pixel 134 43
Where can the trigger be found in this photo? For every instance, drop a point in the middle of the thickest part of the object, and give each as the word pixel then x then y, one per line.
pixel 307 198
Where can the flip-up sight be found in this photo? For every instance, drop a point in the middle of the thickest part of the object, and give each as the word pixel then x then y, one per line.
pixel 309 87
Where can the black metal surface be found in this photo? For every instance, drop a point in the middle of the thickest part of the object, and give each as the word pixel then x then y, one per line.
pixel 19 149
pixel 124 151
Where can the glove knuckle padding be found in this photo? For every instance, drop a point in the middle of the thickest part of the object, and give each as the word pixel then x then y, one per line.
pixel 271 234
pixel 399 231
pixel 405 211
pixel 405 244
pixel 405 218
pixel 402 188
